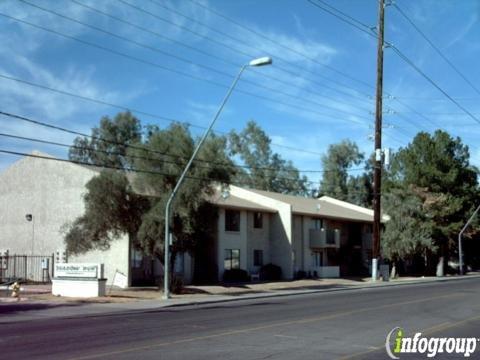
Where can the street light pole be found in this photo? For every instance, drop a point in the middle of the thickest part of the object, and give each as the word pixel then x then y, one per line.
pixel 460 252
pixel 166 286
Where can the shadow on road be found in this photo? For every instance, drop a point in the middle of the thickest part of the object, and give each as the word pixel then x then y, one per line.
pixel 12 308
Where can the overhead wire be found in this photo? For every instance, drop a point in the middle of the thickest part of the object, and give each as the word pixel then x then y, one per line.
pixel 214 56
pixel 188 61
pixel 436 48
pixel 366 29
pixel 333 69
pixel 179 72
pixel 250 55
pixel 138 111
pixel 132 146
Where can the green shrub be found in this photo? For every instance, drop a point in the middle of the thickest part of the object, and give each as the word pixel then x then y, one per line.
pixel 270 272
pixel 235 275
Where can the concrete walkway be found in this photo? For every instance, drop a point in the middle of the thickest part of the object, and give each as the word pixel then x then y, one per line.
pixel 32 307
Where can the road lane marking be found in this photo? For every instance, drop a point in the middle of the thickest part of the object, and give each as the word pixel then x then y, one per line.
pixel 263 327
pixel 286 336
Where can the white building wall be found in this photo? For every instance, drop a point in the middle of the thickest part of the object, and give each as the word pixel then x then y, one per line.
pixel 257 239
pixel 281 252
pixel 231 240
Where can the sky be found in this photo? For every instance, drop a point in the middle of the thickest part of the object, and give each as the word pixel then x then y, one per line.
pixel 174 61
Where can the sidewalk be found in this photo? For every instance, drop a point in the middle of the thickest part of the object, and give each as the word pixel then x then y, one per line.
pixel 37 302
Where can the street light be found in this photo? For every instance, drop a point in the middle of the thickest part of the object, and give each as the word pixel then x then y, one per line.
pixel 256 62
pixel 460 252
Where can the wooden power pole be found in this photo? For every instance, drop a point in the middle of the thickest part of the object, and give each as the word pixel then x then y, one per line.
pixel 377 174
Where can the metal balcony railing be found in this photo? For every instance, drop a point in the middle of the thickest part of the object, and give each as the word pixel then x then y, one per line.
pixel 324 238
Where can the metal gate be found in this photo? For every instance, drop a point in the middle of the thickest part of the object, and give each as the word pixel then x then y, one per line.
pixel 29 268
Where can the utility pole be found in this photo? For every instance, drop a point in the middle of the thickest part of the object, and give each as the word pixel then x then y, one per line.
pixel 377 173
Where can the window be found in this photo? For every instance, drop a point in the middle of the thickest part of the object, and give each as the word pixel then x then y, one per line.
pixel 232 220
pixel 257 220
pixel 179 262
pixel 257 257
pixel 317 258
pixel 317 224
pixel 137 257
pixel 232 259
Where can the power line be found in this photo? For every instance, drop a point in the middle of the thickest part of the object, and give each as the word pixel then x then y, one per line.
pixel 48 142
pixel 216 57
pixel 190 62
pixel 137 111
pixel 344 17
pixel 179 72
pixel 55 127
pixel 273 176
pixel 402 56
pixel 250 55
pixel 431 81
pixel 104 166
pixel 438 51
pixel 313 184
pixel 337 71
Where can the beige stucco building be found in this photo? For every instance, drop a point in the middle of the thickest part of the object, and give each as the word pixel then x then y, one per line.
pixel 319 237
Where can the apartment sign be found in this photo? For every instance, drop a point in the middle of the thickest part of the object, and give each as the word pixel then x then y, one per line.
pixel 77 270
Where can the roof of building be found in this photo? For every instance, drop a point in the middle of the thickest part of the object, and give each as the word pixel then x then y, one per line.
pixel 232 201
pixel 324 206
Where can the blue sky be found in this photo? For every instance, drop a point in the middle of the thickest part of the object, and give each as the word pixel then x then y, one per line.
pixel 300 101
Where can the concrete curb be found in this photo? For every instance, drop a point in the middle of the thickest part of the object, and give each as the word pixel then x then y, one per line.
pixel 315 291
pixel 165 304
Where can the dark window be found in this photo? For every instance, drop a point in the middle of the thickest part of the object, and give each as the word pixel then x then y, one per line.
pixel 257 257
pixel 232 220
pixel 317 258
pixel 258 220
pixel 317 224
pixel 232 259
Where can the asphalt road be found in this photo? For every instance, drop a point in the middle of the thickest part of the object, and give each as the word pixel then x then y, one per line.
pixel 343 324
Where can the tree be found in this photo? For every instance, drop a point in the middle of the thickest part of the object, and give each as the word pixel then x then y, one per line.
pixel 109 142
pixel 336 181
pixel 133 202
pixel 112 208
pixel 408 231
pixel 265 170
pixel 436 168
pixel 212 166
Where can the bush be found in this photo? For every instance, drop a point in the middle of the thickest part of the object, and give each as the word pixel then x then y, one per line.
pixel 176 284
pixel 270 272
pixel 235 275
pixel 301 275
